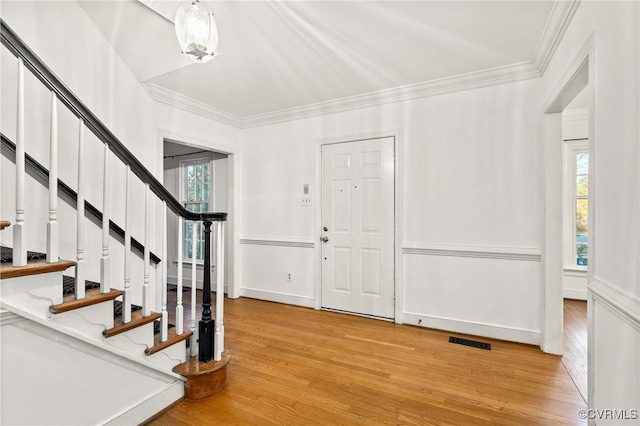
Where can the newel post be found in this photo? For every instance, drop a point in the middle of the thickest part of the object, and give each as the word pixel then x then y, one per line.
pixel 207 324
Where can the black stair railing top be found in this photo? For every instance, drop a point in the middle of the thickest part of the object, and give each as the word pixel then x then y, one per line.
pixel 32 62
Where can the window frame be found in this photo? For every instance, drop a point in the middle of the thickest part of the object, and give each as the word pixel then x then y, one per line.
pixel 182 185
pixel 573 147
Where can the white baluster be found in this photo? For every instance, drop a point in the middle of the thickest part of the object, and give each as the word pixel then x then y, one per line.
pixel 179 307
pixel 105 261
pixel 219 334
pixel 194 330
pixel 19 229
pixel 52 226
pixel 80 266
pixel 126 297
pixel 164 326
pixel 146 296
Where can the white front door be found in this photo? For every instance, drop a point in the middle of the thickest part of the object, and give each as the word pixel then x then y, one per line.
pixel 358 227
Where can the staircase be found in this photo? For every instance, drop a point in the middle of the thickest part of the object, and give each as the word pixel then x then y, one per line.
pixel 58 349
pixel 87 340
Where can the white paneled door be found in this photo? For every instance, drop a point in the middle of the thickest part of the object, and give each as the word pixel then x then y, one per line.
pixel 358 227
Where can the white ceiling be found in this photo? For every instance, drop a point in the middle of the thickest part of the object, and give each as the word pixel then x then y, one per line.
pixel 282 55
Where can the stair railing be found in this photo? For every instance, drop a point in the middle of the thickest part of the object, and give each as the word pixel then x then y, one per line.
pixel 210 332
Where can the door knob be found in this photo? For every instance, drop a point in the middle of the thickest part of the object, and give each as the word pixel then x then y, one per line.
pixel 324 239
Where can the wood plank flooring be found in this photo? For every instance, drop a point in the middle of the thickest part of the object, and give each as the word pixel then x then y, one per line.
pixel 575 343
pixel 298 366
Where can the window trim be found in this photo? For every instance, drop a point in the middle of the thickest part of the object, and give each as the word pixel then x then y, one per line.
pixel 182 186
pixel 571 149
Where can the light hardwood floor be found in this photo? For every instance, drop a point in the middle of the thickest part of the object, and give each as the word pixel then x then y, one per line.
pixel 298 366
pixel 575 343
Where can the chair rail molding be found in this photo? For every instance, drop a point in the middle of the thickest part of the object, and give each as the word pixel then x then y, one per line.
pixel 532 254
pixel 278 241
pixel 620 302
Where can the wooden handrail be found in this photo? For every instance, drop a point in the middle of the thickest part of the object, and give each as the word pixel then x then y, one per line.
pixel 66 190
pixel 43 73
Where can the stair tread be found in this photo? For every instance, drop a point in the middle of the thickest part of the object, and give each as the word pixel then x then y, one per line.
pixel 137 320
pixel 92 297
pixel 172 339
pixel 33 267
pixel 4 224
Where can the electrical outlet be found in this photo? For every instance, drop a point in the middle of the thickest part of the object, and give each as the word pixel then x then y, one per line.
pixel 290 277
pixel 305 200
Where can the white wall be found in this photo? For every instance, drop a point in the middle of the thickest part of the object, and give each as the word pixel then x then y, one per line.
pixel 471 220
pixel 80 56
pixel 92 70
pixel 614 280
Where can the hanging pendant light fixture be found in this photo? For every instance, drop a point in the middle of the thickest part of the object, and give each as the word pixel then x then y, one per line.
pixel 197 32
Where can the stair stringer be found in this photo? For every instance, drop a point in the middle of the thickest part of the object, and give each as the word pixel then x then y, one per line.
pixel 33 337
pixel 33 293
pixel 85 323
pixel 89 321
pixel 73 380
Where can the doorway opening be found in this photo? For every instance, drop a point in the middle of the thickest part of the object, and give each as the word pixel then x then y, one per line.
pixel 199 179
pixel 569 248
pixel 575 224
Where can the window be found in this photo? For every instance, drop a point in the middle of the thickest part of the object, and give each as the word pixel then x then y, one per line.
pixel 577 204
pixel 581 207
pixel 196 197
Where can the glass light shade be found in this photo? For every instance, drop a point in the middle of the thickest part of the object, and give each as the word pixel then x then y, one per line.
pixel 196 31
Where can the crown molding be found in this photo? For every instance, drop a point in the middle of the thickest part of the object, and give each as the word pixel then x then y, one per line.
pixel 561 14
pixel 473 80
pixel 557 23
pixel 178 100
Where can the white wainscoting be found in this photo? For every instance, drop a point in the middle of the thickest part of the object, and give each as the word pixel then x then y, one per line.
pixel 474 328
pixel 265 263
pixel 490 291
pixel 614 349
pixel 574 284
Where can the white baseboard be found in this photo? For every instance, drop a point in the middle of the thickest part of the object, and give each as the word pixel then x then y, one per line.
pixel 574 294
pixel 511 334
pixel 271 296
pixel 149 407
